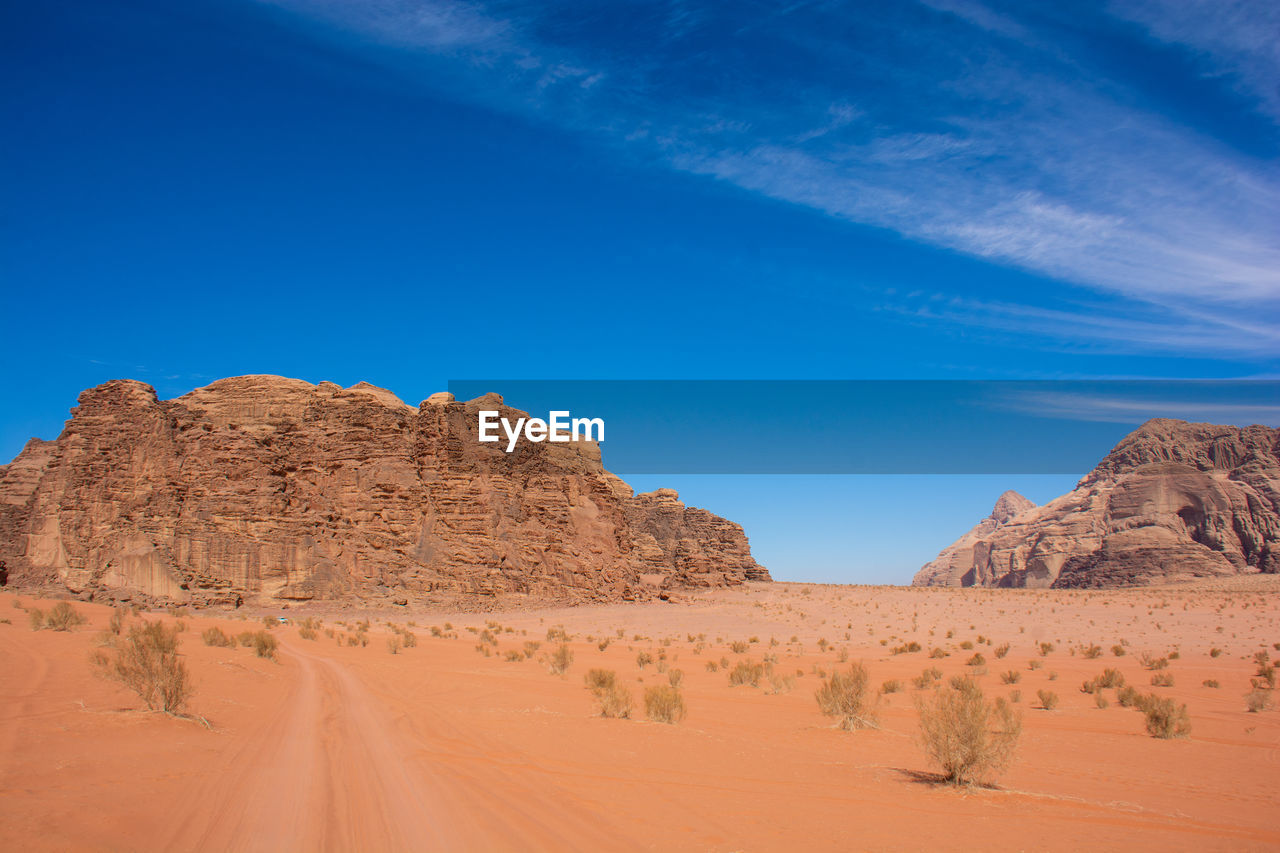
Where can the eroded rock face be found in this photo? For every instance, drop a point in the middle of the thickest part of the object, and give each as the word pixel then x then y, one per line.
pixel 957 564
pixel 260 486
pixel 1172 501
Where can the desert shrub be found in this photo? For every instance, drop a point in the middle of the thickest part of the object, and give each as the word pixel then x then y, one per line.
pixel 664 704
pixel 1118 650
pixel 1100 700
pixel 116 625
pixel 1128 696
pixel 35 617
pixel 1046 648
pixel 967 645
pixel 847 696
pixel 264 645
pixel 976 660
pixel 600 679
pixel 1048 699
pixel 1215 652
pixel 513 656
pixel 394 644
pixel 147 663
pixel 643 659
pixel 1257 700
pixel 63 617
pixel 615 702
pixel 1091 652
pixel 1015 695
pixel 1166 719
pixel 409 639
pixel 1002 650
pixel 746 672
pixel 968 737
pixel 1211 682
pixel 1010 677
pixel 604 644
pixel 1111 678
pixel 215 637
pixel 779 683
pixel 1034 664
pixel 1266 674
pixel 906 648
pixel 270 622
pixel 675 677
pixel 307 633
pixel 927 677
pixel 712 666
pixel 1152 662
pixel 938 653
pixel 1162 679
pixel 740 646
pixel 560 660
pixel 893 685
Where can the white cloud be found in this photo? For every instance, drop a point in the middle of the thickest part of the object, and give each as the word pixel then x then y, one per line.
pixel 1031 162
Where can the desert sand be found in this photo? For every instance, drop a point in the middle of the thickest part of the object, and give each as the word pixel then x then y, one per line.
pixel 449 745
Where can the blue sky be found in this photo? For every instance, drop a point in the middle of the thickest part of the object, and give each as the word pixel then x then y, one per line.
pixel 409 192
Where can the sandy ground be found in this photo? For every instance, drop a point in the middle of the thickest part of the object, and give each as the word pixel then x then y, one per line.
pixel 443 747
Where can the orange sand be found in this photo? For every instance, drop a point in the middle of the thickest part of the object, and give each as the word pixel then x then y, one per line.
pixel 439 747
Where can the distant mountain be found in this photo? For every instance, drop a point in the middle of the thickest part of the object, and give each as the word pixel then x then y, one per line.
pixel 260 487
pixel 1172 501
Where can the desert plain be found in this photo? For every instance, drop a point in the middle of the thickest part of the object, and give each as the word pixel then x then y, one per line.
pixel 398 729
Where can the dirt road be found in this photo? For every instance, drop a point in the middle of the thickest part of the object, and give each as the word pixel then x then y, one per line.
pixel 327 772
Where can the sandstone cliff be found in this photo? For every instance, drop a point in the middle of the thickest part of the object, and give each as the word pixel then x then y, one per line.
pixel 1172 501
pixel 954 566
pixel 272 488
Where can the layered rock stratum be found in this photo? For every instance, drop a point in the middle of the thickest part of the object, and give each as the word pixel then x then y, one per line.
pixel 266 488
pixel 1173 501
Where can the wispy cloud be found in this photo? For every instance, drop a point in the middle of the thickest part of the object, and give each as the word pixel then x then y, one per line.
pixel 1238 39
pixel 1104 408
pixel 954 123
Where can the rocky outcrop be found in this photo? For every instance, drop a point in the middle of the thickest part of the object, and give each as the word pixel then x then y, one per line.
pixel 1172 501
pixel 272 488
pixel 957 564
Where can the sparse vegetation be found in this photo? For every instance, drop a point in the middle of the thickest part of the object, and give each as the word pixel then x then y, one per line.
pixel 847 696
pixel 560 660
pixel 147 663
pixel 61 617
pixel 216 637
pixel 1166 718
pixel 746 672
pixel 967 736
pixel 264 644
pixel 664 704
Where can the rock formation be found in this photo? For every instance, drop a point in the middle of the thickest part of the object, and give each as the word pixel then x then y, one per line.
pixel 1172 501
pixel 271 488
pixel 954 566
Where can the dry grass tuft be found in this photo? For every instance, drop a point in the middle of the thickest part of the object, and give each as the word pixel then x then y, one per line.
pixel 967 736
pixel 215 637
pixel 1166 718
pixel 849 698
pixel 147 663
pixel 664 704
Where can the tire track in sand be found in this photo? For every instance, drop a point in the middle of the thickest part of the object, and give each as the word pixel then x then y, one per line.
pixel 325 772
